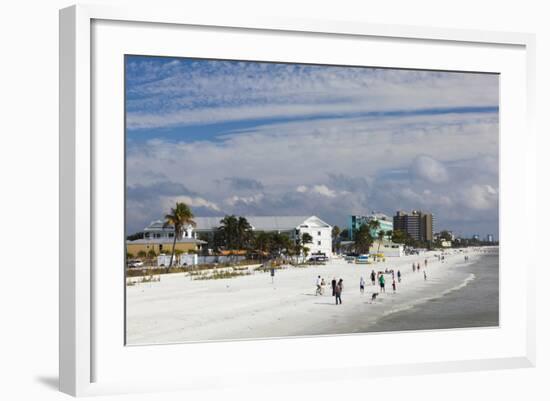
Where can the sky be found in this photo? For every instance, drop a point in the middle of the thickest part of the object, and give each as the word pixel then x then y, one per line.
pixel 253 138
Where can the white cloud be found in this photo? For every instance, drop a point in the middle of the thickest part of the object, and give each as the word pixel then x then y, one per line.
pixel 169 201
pixel 247 200
pixel 480 197
pixel 275 154
pixel 320 189
pixel 491 190
pixel 429 169
pixel 324 190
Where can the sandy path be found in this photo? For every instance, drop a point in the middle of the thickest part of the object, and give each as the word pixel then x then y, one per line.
pixel 177 309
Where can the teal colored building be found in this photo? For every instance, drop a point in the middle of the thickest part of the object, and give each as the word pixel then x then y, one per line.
pixel 356 221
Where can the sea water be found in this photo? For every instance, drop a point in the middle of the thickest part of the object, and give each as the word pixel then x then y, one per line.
pixel 474 304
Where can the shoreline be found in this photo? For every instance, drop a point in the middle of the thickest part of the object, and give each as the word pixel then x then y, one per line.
pixel 250 307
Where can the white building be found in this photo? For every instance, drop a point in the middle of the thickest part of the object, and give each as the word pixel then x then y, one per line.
pixel 387 248
pixel 157 230
pixel 293 226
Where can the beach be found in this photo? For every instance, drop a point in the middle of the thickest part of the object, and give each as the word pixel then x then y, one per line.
pixel 179 309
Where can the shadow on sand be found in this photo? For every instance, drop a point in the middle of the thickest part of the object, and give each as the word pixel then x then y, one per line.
pixel 52 382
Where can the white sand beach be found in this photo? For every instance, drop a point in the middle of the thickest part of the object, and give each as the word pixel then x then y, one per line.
pixel 179 309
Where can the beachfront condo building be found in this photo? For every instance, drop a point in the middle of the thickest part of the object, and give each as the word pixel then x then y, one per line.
pixel 418 225
pixel 356 221
pixel 160 239
pixel 293 226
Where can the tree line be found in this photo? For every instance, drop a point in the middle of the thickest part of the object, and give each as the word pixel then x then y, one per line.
pixel 236 234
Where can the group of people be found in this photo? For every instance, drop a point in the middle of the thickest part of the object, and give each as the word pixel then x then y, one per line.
pixel 337 288
pixel 416 268
pixel 382 280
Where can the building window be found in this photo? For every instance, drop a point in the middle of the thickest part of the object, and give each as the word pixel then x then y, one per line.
pixel 319 243
pixel 160 247
pixel 170 235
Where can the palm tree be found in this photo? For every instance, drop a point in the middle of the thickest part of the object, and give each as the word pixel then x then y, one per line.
pixel 380 236
pixel 280 244
pixel 300 245
pixel 363 239
pixel 180 218
pixel 263 243
pixel 244 233
pixel 399 236
pixel 374 226
pixel 229 231
pixel 305 250
pixel 306 239
pixel 335 237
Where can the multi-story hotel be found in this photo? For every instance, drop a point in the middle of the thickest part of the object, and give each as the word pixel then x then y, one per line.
pixel 417 225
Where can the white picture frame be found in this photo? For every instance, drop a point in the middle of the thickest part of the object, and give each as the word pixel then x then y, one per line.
pixel 87 347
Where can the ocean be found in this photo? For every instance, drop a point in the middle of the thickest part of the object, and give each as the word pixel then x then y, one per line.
pixel 476 304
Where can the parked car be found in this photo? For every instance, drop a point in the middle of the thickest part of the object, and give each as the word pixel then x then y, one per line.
pixel 135 263
pixel 362 259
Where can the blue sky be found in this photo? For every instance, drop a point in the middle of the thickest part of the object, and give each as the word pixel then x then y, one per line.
pixel 281 139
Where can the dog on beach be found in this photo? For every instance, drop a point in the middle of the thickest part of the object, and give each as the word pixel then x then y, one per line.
pixel 374 295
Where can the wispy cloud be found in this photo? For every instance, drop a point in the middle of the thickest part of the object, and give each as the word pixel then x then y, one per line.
pixel 192 92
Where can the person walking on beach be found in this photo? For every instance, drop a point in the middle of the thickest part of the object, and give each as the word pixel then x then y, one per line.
pixel 338 291
pixel 362 285
pixel 399 275
pixel 425 276
pixel 425 262
pixel 318 284
pixel 382 282
pixel 393 285
pixel 323 284
pixel 333 284
pixel 373 278
pixel 418 267
pixel 414 267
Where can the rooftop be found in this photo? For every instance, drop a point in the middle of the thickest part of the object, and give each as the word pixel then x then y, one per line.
pixel 259 223
pixel 166 241
pixel 264 223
